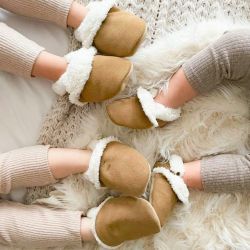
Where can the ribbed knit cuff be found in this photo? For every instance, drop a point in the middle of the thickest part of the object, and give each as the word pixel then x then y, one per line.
pixel 226 173
pixel 225 60
pixel 192 77
pixel 55 11
pixel 203 70
pixel 197 71
pixel 34 226
pixel 25 167
pixel 17 53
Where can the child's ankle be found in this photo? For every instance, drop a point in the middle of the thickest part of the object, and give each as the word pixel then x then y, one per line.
pixel 76 15
pixel 163 99
pixel 86 233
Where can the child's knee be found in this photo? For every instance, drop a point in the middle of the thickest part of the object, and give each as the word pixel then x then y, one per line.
pixel 236 41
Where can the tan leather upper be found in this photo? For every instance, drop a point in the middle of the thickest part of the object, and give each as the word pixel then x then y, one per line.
pixel 124 169
pixel 162 196
pixel 126 218
pixel 108 77
pixel 128 112
pixel 120 33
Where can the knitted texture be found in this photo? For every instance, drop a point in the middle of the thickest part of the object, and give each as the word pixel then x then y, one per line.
pixel 26 165
pixel 207 127
pixel 41 225
pixel 26 51
pixel 55 11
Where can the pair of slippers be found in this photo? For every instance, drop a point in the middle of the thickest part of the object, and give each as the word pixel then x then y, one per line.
pixel 91 77
pixel 120 168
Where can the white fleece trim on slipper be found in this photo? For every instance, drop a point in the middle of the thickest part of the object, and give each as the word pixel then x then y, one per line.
pixel 176 165
pixel 176 182
pixel 96 14
pixel 76 75
pixel 154 110
pixel 92 214
pixel 92 174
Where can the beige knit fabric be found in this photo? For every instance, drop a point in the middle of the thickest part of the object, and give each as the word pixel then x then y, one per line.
pixel 33 226
pixel 36 225
pixel 226 173
pixel 55 11
pixel 226 61
pixel 17 52
pixel 26 167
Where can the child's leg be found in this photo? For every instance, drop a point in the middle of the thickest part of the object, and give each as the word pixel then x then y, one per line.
pixel 61 12
pixel 39 166
pixel 221 173
pixel 87 77
pixel 18 55
pixel 110 163
pixel 225 61
pixel 37 226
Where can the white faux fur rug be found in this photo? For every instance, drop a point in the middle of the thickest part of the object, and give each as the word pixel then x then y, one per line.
pixel 212 124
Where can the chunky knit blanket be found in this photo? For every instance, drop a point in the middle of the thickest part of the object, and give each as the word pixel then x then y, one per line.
pixel 216 123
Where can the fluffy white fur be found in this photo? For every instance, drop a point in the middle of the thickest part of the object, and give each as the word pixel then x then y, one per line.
pixel 176 164
pixel 76 75
pixel 155 110
pixel 211 221
pixel 92 174
pixel 211 124
pixel 176 182
pixel 97 13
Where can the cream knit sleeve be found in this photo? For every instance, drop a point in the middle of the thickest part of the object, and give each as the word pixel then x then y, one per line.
pixel 38 226
pixel 226 173
pixel 25 167
pixel 55 11
pixel 17 53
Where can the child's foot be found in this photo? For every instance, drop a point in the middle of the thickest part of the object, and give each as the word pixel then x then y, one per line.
pixel 121 219
pixel 92 78
pixel 167 187
pixel 141 112
pixel 111 30
pixel 119 167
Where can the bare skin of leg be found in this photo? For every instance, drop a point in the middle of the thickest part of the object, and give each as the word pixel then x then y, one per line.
pixel 180 91
pixel 192 175
pixel 65 161
pixel 50 66
pixel 76 15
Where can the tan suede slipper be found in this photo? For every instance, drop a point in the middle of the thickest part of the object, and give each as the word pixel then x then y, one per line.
pixel 167 187
pixel 140 112
pixel 118 167
pixel 93 78
pixel 121 219
pixel 111 30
